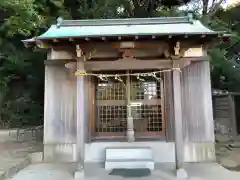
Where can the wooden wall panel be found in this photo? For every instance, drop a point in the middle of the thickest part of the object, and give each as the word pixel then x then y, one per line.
pixel 197 103
pixel 168 107
pixel 60 106
pixel 60 115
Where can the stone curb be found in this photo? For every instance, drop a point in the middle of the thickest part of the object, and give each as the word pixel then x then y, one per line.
pixel 30 159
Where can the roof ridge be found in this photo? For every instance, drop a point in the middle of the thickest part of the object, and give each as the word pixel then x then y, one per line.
pixel 128 21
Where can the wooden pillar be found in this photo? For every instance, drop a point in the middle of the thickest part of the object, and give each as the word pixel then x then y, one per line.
pixel 179 144
pixel 80 115
pixel 130 124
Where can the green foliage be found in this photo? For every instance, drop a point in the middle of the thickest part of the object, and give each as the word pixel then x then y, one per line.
pixel 22 16
pixel 21 82
pixel 21 70
pixel 225 64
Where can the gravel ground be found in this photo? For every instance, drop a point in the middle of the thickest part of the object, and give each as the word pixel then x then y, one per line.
pixel 13 152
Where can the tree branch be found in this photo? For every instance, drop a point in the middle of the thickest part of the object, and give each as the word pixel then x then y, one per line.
pixel 215 8
pixel 135 4
pixel 205 7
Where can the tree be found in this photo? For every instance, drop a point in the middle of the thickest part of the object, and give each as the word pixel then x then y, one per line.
pixel 225 56
pixel 82 9
pixel 19 16
pixel 205 7
pixel 22 72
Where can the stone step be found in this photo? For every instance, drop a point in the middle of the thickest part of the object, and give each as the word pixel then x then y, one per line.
pixel 130 164
pixel 131 153
pixel 129 158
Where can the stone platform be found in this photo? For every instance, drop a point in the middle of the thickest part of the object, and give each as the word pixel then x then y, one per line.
pixel 129 158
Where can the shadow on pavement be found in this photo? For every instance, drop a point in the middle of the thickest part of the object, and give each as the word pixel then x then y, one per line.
pixel 131 173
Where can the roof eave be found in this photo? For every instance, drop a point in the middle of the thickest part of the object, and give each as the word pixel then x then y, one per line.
pixel 132 35
pixel 29 42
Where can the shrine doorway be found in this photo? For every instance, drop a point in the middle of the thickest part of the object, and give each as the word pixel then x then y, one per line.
pixel 146 102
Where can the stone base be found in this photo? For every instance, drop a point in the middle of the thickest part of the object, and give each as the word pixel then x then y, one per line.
pixel 163 152
pixel 181 174
pixel 79 174
pixel 129 158
pixel 65 153
pixel 36 157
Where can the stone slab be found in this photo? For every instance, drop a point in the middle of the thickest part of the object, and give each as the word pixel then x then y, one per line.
pixel 129 153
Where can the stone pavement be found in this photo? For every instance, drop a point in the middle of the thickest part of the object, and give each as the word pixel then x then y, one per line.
pixel 196 171
pixel 45 171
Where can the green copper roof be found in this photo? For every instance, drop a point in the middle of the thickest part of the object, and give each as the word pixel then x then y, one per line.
pixel 125 27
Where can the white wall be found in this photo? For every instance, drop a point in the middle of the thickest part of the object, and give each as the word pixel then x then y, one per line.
pixel 162 151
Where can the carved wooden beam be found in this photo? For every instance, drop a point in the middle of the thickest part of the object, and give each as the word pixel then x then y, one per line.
pixel 127 64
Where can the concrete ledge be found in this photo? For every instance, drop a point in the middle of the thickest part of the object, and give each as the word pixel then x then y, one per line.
pixel 163 152
pixel 65 153
pixel 199 152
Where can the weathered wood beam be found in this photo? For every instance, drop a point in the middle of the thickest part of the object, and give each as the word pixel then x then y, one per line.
pixel 130 64
pixel 113 50
pixel 149 44
pixel 58 62
pixel 135 64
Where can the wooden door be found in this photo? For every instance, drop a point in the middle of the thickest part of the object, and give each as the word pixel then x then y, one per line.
pixel 146 103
